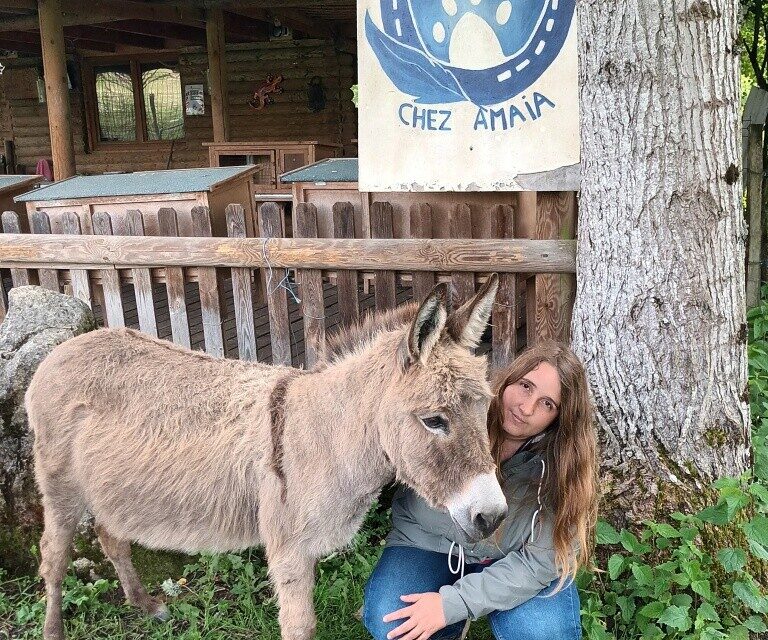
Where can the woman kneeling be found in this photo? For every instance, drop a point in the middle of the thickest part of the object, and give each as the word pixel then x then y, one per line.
pixel 542 437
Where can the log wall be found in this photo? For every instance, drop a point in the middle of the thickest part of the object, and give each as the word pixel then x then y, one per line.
pixel 288 118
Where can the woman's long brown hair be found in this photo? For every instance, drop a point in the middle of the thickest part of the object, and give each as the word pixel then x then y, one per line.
pixel 569 449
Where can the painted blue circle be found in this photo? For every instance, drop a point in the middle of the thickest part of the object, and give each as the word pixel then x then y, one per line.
pixel 414 51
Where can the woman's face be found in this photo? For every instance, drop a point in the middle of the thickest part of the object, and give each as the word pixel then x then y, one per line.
pixel 532 403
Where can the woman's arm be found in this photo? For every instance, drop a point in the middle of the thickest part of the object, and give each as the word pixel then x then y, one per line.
pixel 506 583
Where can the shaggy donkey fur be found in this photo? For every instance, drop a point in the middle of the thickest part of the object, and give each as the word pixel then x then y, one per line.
pixel 174 449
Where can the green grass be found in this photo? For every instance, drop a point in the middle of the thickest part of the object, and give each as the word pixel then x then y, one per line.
pixel 219 597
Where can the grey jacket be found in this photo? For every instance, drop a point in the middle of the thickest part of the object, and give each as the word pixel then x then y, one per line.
pixel 524 558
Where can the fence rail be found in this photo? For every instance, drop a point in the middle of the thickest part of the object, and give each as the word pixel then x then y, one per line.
pixel 248 297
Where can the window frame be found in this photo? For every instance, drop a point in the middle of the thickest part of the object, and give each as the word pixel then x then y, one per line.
pixel 89 68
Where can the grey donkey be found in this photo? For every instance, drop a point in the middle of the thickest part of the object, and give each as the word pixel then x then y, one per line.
pixel 174 449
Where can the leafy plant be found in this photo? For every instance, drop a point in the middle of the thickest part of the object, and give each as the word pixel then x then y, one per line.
pixel 665 582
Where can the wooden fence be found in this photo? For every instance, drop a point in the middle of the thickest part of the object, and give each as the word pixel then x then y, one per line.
pixel 273 298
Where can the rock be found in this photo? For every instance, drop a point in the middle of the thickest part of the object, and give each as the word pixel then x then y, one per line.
pixel 37 321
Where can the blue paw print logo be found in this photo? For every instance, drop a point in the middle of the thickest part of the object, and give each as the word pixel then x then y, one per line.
pixel 483 51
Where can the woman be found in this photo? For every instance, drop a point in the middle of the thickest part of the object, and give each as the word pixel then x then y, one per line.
pixel 425 585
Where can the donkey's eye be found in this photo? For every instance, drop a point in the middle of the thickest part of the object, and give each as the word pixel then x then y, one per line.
pixel 435 424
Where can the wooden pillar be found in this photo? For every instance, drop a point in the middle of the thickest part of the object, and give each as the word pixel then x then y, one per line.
pixel 57 93
pixel 217 73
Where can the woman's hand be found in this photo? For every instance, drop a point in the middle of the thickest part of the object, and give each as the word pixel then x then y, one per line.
pixel 425 617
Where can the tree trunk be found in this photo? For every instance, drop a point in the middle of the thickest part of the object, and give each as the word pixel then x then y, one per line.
pixel 659 319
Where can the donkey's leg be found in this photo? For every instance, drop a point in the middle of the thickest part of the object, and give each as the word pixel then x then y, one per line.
pixel 60 521
pixel 294 579
pixel 119 553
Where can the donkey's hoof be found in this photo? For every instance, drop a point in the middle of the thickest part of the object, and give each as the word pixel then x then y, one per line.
pixel 161 613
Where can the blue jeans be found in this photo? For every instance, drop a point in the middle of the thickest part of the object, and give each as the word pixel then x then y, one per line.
pixel 404 570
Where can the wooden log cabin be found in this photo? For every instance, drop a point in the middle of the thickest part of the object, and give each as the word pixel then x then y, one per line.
pixel 137 85
pixel 140 85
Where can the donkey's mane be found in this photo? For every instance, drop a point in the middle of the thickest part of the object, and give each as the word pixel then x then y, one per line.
pixel 348 339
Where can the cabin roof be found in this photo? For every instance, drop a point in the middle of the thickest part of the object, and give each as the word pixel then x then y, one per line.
pixel 328 170
pixel 138 183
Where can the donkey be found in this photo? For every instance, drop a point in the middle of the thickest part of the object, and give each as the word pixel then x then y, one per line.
pixel 174 449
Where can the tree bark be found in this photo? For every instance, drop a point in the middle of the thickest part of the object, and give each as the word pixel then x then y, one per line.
pixel 659 319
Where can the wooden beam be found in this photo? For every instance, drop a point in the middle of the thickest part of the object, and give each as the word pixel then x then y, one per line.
pixel 245 27
pixel 13 39
pixel 75 12
pixel 296 20
pixel 217 73
pixel 99 34
pixel 15 5
pixel 124 252
pixel 57 93
pixel 164 30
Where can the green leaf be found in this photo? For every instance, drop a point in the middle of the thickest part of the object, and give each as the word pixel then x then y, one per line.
pixel 732 559
pixel 703 588
pixel 667 531
pixel 759 491
pixel 712 634
pixel 606 534
pixel 629 541
pixel 750 596
pixel 643 574
pixel 756 530
pixel 758 550
pixel 615 565
pixel 707 612
pixel 738 632
pixel 756 624
pixel 653 610
pixel 682 600
pixel 719 514
pixel 676 617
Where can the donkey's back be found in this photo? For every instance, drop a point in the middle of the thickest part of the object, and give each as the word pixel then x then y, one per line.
pixel 138 431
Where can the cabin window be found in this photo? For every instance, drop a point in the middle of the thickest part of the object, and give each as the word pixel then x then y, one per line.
pixel 116 104
pixel 136 102
pixel 161 88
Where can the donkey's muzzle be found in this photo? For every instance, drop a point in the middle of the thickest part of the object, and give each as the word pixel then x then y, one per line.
pixel 479 509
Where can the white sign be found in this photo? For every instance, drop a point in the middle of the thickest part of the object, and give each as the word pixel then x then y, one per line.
pixel 194 100
pixel 467 95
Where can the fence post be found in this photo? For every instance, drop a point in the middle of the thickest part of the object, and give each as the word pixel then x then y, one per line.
pixel 504 314
pixel 110 278
pixel 270 226
pixel 168 225
pixel 242 293
pixel 462 283
pixel 210 304
pixel 385 293
pixel 346 279
pixel 549 302
pixel 311 290
pixel 49 278
pixel 754 212
pixel 142 279
pixel 421 227
pixel 10 219
pixel 80 279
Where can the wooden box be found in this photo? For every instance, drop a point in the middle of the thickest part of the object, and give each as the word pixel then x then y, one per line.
pixel 148 191
pixel 271 160
pixel 12 186
pixel 335 180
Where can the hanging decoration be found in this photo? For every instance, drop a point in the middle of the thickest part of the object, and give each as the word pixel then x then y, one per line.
pixel 263 95
pixel 316 94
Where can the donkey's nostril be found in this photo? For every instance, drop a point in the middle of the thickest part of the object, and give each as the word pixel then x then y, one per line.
pixel 486 523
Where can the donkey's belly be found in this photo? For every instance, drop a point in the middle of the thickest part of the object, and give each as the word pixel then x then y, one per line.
pixel 170 495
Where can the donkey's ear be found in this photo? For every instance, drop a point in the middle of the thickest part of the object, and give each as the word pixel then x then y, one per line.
pixel 427 326
pixel 467 324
